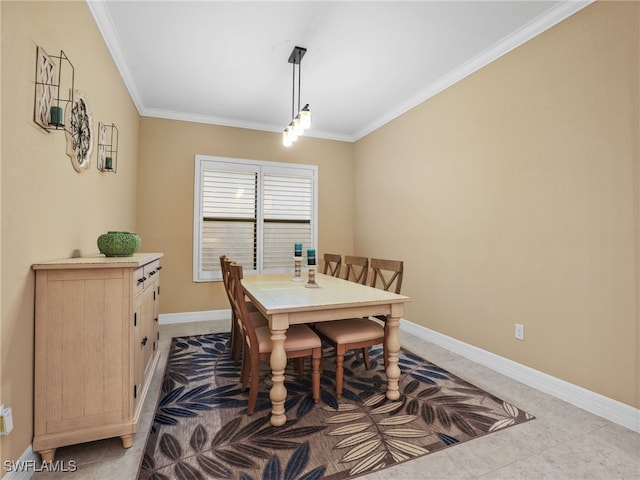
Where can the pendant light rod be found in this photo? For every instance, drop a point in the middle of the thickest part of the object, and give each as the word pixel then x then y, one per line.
pixel 299 82
pixel 293 90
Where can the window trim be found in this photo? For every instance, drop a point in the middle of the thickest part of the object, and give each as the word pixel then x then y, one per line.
pixel 261 165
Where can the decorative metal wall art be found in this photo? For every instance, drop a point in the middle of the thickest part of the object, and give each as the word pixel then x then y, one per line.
pixel 79 132
pixel 107 148
pixel 48 105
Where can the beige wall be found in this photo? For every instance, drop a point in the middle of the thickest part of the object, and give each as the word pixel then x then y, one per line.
pixel 49 210
pixel 165 196
pixel 513 198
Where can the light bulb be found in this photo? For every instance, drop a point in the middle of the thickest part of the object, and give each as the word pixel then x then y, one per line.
pixel 292 132
pixel 305 117
pixel 297 125
pixel 286 139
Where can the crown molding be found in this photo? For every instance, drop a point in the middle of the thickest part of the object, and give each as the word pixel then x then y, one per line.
pixel 227 122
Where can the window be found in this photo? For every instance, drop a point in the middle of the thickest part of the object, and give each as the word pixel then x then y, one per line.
pixel 253 212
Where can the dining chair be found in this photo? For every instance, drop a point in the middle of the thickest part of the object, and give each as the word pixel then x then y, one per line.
pixel 332 264
pixel 258 320
pixel 387 275
pixel 357 269
pixel 345 335
pixel 362 333
pixel 301 342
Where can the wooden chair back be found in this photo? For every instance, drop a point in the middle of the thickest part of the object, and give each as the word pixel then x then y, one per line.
pixel 239 307
pixel 237 335
pixel 387 274
pixel 357 269
pixel 224 261
pixel 332 264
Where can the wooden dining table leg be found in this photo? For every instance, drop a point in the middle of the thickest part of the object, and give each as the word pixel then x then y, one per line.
pixel 392 349
pixel 278 393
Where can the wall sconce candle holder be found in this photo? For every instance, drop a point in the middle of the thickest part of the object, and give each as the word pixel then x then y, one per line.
pixel 50 76
pixel 107 148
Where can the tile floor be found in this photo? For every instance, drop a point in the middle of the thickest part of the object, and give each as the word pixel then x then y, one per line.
pixel 563 442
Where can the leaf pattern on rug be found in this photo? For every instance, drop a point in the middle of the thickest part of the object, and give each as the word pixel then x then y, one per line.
pixel 235 446
pixel 372 446
pixel 188 366
pixel 367 443
pixel 201 429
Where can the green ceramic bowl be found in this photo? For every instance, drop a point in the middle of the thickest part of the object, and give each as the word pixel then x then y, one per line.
pixel 118 244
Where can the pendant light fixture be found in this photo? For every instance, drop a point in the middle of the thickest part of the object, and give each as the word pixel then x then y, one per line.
pixel 302 120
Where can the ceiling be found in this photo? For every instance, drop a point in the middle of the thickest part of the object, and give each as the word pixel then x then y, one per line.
pixel 226 62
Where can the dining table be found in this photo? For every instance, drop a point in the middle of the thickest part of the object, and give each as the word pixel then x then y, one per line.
pixel 286 300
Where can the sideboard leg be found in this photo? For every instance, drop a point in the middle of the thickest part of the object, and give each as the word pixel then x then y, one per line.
pixel 47 455
pixel 127 440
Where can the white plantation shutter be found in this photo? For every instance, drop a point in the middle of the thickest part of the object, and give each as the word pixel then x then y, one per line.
pixel 253 212
pixel 288 215
pixel 228 218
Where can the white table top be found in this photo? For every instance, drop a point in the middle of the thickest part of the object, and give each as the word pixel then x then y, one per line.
pixel 278 293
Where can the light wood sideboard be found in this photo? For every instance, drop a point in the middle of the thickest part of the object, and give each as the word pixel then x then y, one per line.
pixel 96 339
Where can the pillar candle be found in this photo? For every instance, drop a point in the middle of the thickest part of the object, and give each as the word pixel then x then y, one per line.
pixel 298 249
pixel 56 116
pixel 311 257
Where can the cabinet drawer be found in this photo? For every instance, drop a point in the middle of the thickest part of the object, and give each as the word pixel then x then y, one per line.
pixel 145 276
pixel 151 270
pixel 138 280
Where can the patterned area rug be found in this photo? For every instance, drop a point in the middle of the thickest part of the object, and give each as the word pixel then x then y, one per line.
pixel 201 429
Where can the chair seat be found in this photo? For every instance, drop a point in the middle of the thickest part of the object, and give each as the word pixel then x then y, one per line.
pixel 299 337
pixel 350 331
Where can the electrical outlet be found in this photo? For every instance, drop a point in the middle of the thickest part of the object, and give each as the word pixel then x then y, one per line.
pixel 519 332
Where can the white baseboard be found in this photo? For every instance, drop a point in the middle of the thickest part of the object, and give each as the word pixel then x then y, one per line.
pixel 595 403
pixel 598 404
pixel 24 467
pixel 187 317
